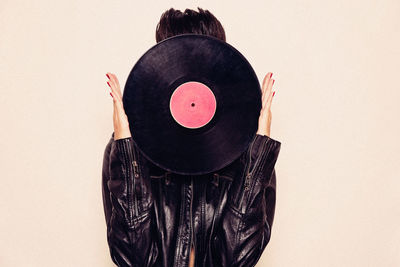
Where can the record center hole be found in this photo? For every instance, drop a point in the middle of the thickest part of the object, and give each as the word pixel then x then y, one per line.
pixel 192 104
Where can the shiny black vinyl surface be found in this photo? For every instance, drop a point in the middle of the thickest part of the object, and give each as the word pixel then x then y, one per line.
pixel 153 79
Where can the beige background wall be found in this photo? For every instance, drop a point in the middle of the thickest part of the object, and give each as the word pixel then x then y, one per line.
pixel 336 66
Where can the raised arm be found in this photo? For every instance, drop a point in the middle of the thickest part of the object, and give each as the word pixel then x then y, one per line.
pixel 247 220
pixel 128 204
pixel 127 194
pixel 246 224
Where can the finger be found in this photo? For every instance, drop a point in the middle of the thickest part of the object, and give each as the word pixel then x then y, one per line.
pixel 112 91
pixel 113 88
pixel 268 87
pixel 115 91
pixel 268 94
pixel 111 80
pixel 266 80
pixel 269 101
pixel 115 81
pixel 115 100
pixel 265 99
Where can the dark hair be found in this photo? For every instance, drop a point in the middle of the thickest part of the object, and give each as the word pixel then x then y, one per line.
pixel 174 22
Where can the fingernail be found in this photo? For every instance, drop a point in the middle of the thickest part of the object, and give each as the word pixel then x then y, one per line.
pixel 273 94
pixel 110 94
pixel 108 84
pixel 273 82
pixel 107 76
pixel 271 75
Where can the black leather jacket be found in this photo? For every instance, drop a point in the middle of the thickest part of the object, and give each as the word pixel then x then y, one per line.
pixel 154 216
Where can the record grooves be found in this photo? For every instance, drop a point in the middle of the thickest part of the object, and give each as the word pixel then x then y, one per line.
pixel 213 115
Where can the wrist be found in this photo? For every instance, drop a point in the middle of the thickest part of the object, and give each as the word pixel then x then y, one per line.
pixel 122 133
pixel 263 131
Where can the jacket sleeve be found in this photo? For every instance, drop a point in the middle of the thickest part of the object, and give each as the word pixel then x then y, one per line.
pixel 127 202
pixel 248 215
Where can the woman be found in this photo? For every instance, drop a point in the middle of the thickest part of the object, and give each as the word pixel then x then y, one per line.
pixel 157 218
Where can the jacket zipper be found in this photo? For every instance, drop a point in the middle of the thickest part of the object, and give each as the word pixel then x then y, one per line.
pixel 248 174
pixel 135 176
pixel 128 190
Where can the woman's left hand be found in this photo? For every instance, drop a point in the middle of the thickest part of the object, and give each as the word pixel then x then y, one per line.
pixel 264 121
pixel 120 120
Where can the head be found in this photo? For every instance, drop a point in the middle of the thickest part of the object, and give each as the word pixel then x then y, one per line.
pixel 174 22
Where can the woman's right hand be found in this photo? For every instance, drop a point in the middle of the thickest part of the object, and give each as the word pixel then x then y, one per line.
pixel 264 120
pixel 121 124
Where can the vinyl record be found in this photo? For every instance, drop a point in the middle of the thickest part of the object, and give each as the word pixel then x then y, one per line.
pixel 192 103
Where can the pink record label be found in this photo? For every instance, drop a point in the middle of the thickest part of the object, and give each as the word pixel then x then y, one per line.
pixel 192 104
